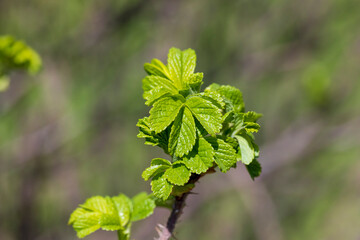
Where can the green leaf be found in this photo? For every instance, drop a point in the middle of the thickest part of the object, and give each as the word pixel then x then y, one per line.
pixel 111 214
pixel 195 81
pixel 183 134
pixel 151 82
pixel 181 65
pixel 86 224
pixel 156 87
pixel 231 95
pixel 164 112
pixel 254 169
pixel 178 174
pixel 124 208
pixel 228 117
pixel 143 206
pixel 201 158
pixel 251 116
pixel 251 127
pixel 161 187
pixel 246 148
pixel 157 68
pixel 152 138
pixel 214 97
pixel 225 154
pixel 97 212
pixel 158 165
pixel 206 113
pixel 180 190
pixel 15 54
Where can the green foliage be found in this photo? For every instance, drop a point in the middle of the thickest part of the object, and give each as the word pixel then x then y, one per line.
pixel 199 130
pixel 111 214
pixel 16 55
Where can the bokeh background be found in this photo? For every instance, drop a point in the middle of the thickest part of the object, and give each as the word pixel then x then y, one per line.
pixel 69 132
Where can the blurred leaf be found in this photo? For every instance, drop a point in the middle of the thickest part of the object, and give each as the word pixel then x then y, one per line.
pixel 143 206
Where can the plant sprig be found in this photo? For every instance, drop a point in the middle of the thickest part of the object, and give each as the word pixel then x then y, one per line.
pixel 200 131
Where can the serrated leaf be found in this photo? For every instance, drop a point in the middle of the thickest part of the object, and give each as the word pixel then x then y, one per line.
pixel 225 155
pixel 97 212
pixel 178 174
pixel 228 117
pixel 195 81
pixel 152 138
pixel 251 127
pixel 251 116
pixel 157 68
pixel 143 206
pixel 231 95
pixel 214 97
pixel 151 82
pixel 181 65
pixel 156 87
pixel 158 165
pixel 206 113
pixel 183 134
pixel 254 169
pixel 124 208
pixel 246 148
pixel 156 94
pixel 201 158
pixel 86 224
pixel 161 187
pixel 164 113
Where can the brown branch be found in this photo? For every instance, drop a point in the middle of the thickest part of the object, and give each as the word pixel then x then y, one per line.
pixel 166 232
pixel 177 208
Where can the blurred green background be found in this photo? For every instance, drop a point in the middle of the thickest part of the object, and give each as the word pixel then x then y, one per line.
pixel 69 132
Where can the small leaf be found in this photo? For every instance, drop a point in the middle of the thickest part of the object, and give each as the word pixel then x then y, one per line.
pixel 124 208
pixel 97 212
pixel 152 138
pixel 183 134
pixel 251 127
pixel 214 97
pixel 246 148
pixel 251 116
pixel 181 65
pixel 158 165
pixel 156 87
pixel 254 169
pixel 195 81
pixel 161 187
pixel 225 155
pixel 86 224
pixel 178 174
pixel 206 113
pixel 231 95
pixel 202 157
pixel 143 206
pixel 164 112
pixel 157 68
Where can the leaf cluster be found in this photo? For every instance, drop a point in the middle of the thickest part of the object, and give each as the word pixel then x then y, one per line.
pixel 199 130
pixel 111 214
